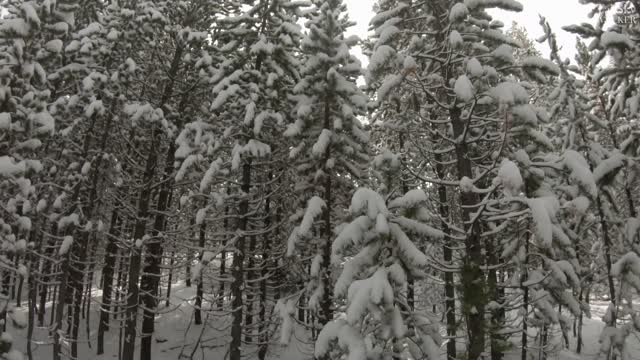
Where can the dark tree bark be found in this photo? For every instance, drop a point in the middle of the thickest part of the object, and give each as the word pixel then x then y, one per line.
pixel 223 261
pixel 111 252
pixel 237 271
pixel 264 271
pixel 327 296
pixel 150 280
pixel 199 289
pixel 474 296
pixel 249 291
pixel 449 286
pixel 142 214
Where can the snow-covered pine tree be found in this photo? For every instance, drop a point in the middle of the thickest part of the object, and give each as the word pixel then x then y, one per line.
pixel 612 142
pixel 242 142
pixel 154 88
pixel 329 151
pixel 31 38
pixel 474 103
pixel 381 256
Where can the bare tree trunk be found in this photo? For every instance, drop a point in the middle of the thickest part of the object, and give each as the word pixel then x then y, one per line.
pixel 497 321
pixel 19 291
pixel 120 281
pixel 474 296
pixel 248 318
pixel 327 296
pixel 264 271
pixel 151 275
pixel 31 296
pixel 141 221
pixel 223 261
pixel 170 279
pixel 133 290
pixel 237 271
pixel 107 277
pixel 47 268
pixel 62 295
pixel 188 269
pixel 199 292
pixel 449 286
pixel 525 298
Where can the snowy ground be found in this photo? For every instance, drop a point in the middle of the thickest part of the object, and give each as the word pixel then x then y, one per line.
pixel 177 336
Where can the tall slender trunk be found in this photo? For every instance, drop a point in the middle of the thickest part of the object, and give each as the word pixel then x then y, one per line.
pixel 47 268
pixel 107 277
pixel 187 269
pixel 62 295
pixel 474 297
pixel 133 290
pixel 150 280
pixel 264 271
pixel 327 296
pixel 524 276
pixel 170 278
pixel 120 282
pixel 607 258
pixel 449 286
pixel 223 260
pixel 199 288
pixel 250 298
pixel 237 271
pixel 32 294
pixel 19 285
pixel 140 227
pixel 497 322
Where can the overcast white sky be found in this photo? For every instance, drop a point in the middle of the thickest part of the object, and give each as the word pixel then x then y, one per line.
pixel 557 12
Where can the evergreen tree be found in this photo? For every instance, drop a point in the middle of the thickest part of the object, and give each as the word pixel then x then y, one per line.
pixel 329 151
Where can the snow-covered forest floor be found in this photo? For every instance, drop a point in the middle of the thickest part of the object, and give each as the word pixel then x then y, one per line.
pixel 177 337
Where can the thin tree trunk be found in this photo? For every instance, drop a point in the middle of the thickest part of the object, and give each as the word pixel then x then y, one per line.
pixel 141 220
pixel 449 286
pixel 474 297
pixel 327 233
pixel 151 274
pixel 62 295
pixel 54 297
pixel 250 298
pixel 237 271
pixel 264 271
pixel 497 352
pixel 170 279
pixel 188 269
pixel 133 290
pixel 223 261
pixel 19 291
pixel 525 299
pixel 107 278
pixel 199 292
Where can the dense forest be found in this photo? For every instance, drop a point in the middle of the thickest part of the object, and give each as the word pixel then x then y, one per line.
pixel 224 180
